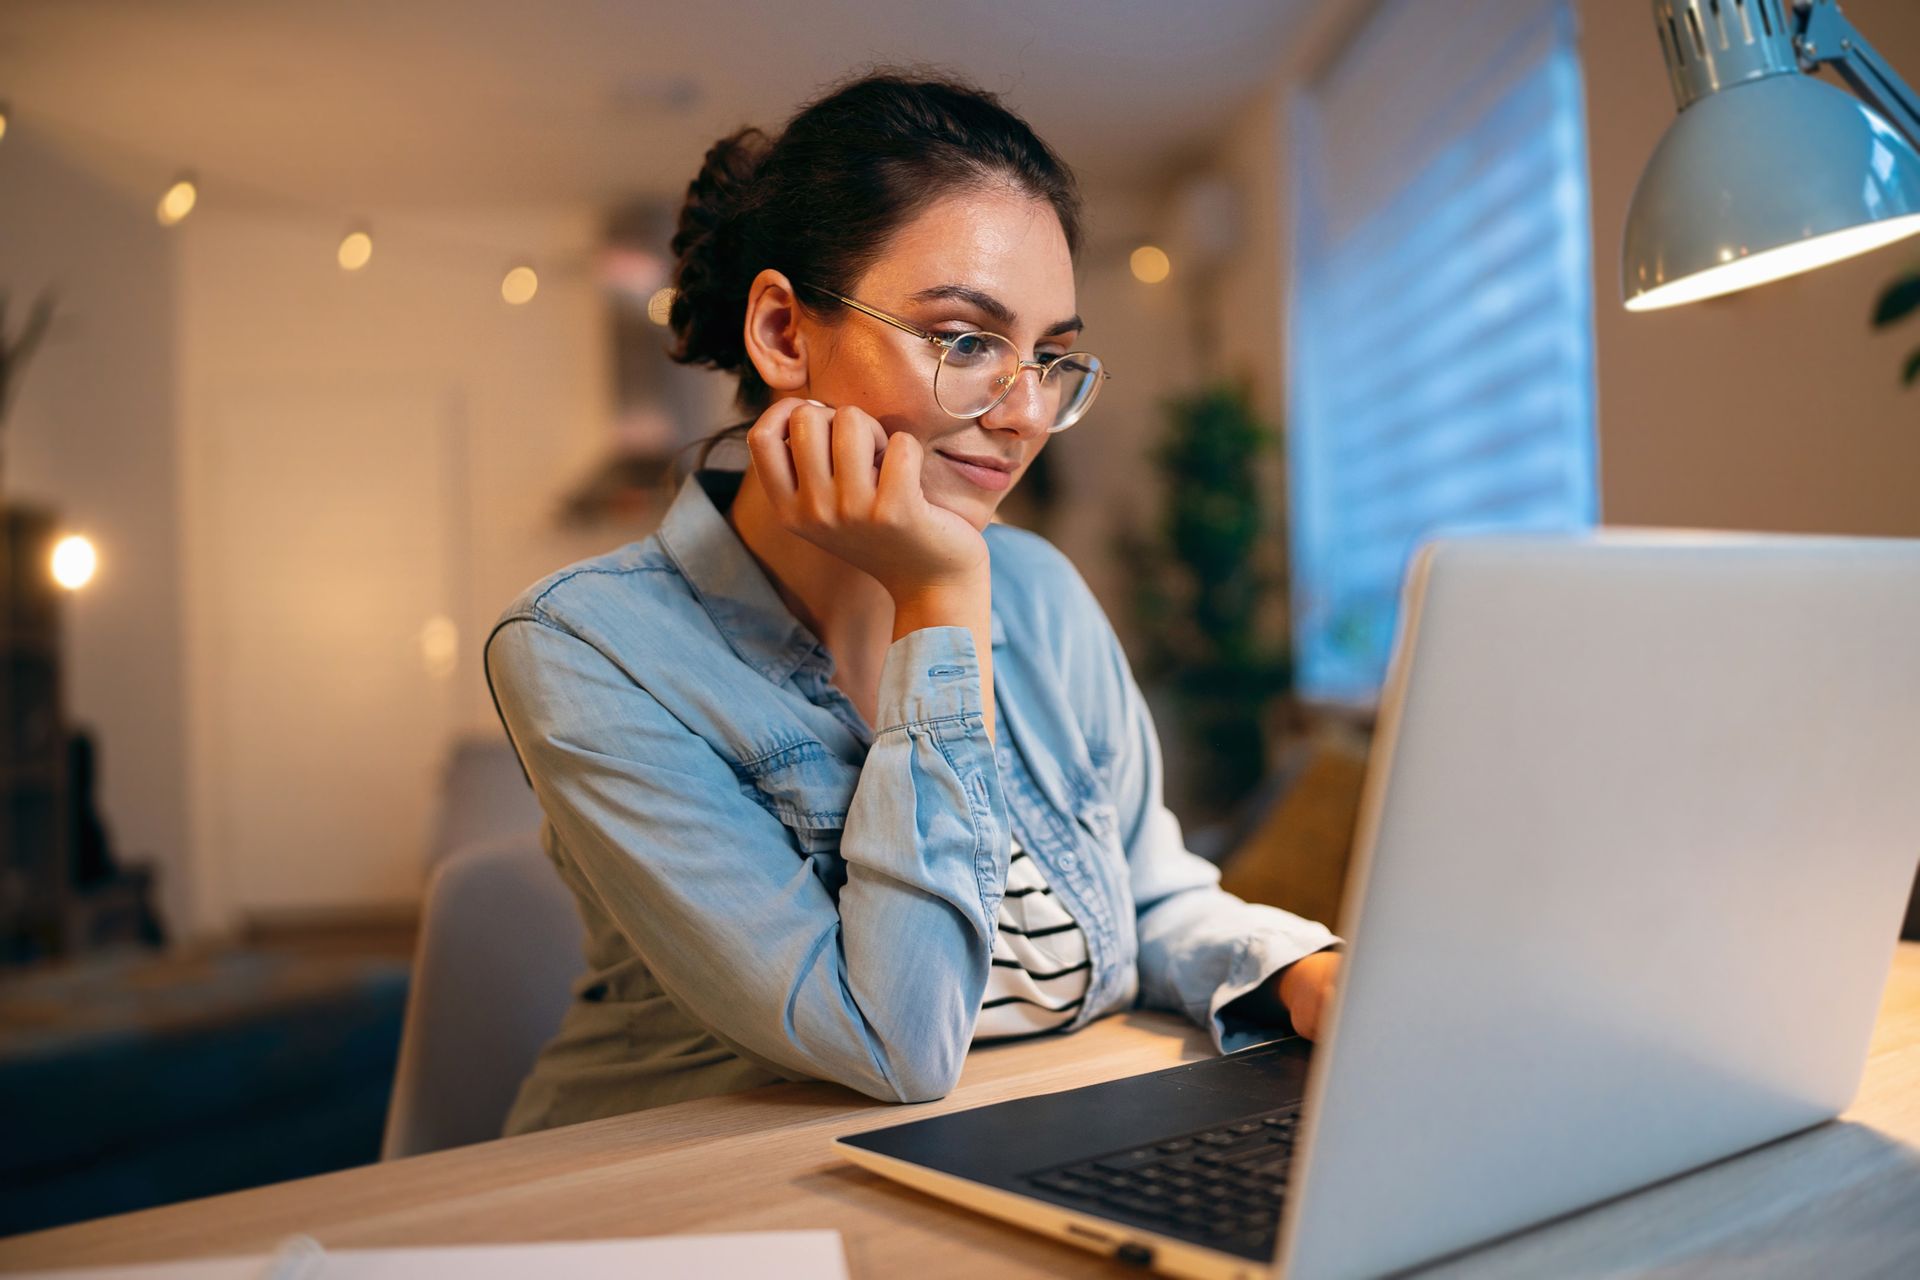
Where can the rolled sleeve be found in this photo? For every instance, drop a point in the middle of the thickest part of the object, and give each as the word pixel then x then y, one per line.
pixel 711 892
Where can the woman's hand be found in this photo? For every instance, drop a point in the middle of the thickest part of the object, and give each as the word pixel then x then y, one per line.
pixel 838 480
pixel 1306 989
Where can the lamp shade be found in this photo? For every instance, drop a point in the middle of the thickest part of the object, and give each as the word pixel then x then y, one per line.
pixel 1761 180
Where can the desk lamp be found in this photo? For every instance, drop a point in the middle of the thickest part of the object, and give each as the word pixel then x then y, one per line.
pixel 1768 172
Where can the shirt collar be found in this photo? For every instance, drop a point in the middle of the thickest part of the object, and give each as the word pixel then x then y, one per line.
pixel 730 584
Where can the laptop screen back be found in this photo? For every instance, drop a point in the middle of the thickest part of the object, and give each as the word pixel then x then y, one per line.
pixel 1639 824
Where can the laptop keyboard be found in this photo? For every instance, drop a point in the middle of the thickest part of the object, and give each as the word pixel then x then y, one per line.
pixel 1220 1186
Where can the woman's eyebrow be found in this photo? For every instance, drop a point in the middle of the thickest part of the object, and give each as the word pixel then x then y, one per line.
pixel 990 305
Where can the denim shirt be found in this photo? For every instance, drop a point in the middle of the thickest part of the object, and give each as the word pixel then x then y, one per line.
pixel 775 890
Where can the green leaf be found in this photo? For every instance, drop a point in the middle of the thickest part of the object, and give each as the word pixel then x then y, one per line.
pixel 1899 300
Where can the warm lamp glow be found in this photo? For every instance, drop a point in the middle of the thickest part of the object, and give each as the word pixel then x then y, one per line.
pixel 1150 264
pixel 660 305
pixel 520 286
pixel 177 203
pixel 74 561
pixel 3 119
pixel 355 250
pixel 1776 264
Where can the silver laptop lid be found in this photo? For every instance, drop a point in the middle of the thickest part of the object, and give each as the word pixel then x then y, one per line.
pixel 1639 827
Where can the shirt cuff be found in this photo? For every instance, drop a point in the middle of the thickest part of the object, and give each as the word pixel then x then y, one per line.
pixel 1263 956
pixel 930 674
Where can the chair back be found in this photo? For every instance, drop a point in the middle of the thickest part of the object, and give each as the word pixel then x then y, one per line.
pixel 500 945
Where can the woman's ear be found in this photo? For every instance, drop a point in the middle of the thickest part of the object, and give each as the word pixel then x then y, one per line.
pixel 773 339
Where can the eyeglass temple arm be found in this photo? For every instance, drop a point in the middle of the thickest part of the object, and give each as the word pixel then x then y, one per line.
pixel 881 316
pixel 904 327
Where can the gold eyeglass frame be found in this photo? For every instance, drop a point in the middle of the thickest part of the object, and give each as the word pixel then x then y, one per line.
pixel 947 345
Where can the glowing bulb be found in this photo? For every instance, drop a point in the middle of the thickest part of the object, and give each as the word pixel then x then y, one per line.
pixel 520 286
pixel 3 119
pixel 177 203
pixel 355 250
pixel 1150 264
pixel 74 561
pixel 1733 274
pixel 660 305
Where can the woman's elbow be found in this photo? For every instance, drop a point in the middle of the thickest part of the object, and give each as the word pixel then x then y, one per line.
pixel 916 1060
pixel 926 1078
pixel 889 1089
pixel 923 1091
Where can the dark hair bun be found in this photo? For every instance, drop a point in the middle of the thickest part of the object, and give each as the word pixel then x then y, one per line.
pixel 709 299
pixel 820 202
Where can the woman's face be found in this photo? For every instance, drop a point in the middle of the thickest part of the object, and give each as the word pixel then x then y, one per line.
pixel 993 259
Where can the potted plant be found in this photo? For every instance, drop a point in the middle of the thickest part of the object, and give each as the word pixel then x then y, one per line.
pixel 1208 574
pixel 1899 300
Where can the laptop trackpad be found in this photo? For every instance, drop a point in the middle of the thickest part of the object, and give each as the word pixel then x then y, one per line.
pixel 1277 1070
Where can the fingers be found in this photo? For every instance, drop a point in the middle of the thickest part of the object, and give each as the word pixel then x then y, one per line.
pixel 769 455
pixel 857 441
pixel 1305 989
pixel 897 492
pixel 819 465
pixel 810 440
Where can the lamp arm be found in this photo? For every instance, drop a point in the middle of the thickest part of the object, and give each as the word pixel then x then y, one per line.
pixel 1823 36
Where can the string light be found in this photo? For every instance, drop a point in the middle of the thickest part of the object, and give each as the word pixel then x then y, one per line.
pixel 356 249
pixel 178 202
pixel 520 286
pixel 660 305
pixel 1150 264
pixel 74 561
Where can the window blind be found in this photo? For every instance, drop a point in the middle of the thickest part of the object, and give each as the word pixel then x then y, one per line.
pixel 1442 342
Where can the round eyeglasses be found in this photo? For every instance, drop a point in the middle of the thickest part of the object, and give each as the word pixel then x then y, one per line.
pixel 977 370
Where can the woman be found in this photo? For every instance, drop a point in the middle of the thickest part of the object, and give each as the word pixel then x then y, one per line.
pixel 846 777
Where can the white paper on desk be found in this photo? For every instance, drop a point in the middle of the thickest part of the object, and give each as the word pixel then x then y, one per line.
pixel 802 1255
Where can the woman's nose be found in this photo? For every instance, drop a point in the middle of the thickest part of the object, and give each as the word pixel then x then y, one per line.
pixel 1024 410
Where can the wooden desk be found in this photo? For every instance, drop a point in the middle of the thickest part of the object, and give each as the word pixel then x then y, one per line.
pixel 1840 1200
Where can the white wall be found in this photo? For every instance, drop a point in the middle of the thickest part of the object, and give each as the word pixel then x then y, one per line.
pixel 1142 332
pixel 398 436
pixel 148 421
pixel 91 434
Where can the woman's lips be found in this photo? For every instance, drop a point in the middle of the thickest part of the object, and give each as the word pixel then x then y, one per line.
pixel 992 478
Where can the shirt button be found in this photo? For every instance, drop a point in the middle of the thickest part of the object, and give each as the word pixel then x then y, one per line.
pixel 1069 861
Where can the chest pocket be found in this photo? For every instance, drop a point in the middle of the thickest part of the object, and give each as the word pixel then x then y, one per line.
pixel 809 789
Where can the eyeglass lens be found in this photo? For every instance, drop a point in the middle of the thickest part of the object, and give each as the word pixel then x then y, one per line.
pixel 978 369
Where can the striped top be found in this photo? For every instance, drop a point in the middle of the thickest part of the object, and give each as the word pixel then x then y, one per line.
pixel 1041 970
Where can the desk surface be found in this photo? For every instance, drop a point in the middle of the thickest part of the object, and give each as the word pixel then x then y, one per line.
pixel 1839 1200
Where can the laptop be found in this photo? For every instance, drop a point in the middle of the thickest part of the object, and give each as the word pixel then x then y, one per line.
pixel 1635 842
